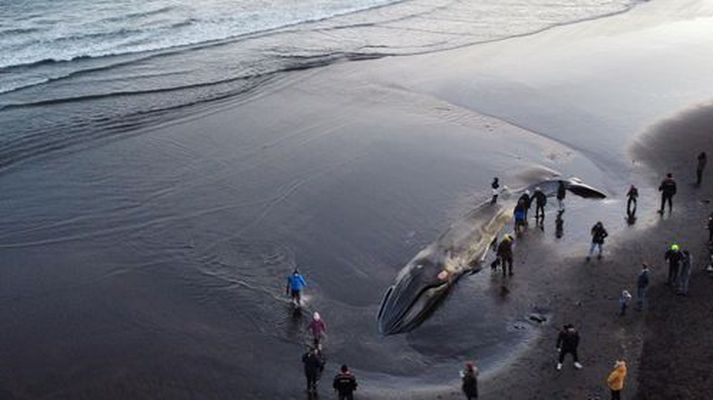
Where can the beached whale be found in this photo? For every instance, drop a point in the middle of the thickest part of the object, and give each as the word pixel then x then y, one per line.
pixel 424 282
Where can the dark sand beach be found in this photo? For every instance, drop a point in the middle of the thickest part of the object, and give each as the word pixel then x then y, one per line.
pixel 151 264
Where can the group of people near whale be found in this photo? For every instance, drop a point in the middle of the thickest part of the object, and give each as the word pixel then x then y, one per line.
pixel 313 361
pixel 424 282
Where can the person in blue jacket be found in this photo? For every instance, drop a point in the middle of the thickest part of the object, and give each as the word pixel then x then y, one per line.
pixel 295 284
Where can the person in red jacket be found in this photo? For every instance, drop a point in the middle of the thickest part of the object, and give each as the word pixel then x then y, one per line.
pixel 318 329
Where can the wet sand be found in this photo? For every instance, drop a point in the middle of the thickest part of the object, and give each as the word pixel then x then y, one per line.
pixel 158 260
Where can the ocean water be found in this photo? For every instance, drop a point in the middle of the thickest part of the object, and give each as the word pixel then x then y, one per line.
pixel 95 69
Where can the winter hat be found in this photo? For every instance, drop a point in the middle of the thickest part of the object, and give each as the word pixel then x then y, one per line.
pixel 469 365
pixel 674 247
pixel 316 316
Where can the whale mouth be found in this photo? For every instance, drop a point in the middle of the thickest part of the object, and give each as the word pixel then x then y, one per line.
pixel 405 308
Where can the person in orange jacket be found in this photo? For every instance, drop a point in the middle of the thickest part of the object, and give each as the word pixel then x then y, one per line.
pixel 616 379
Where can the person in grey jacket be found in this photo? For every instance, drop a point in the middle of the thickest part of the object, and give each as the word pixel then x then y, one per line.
pixel 684 275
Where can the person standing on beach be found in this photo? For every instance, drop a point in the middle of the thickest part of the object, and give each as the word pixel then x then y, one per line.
pixel 567 343
pixel 702 160
pixel 313 367
pixel 668 190
pixel 616 379
pixel 540 203
pixel 504 254
pixel 642 283
pixel 685 274
pixel 526 201
pixel 295 284
pixel 598 236
pixel 674 257
pixel 318 329
pixel 469 376
pixel 632 195
pixel 561 194
pixel 624 300
pixel 496 190
pixel 710 228
pixel 345 383
pixel 520 215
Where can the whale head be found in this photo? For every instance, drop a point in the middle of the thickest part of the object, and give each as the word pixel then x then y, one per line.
pixel 420 286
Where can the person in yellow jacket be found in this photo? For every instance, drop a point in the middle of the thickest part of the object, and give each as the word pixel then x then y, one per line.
pixel 616 379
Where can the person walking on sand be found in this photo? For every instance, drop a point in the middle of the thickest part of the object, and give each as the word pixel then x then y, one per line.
pixel 632 196
pixel 469 377
pixel 710 228
pixel 345 383
pixel 642 284
pixel 668 190
pixel 504 254
pixel 313 367
pixel 624 300
pixel 598 236
pixel 520 215
pixel 526 201
pixel 616 378
pixel 540 203
pixel 318 329
pixel 295 284
pixel 561 194
pixel 496 190
pixel 702 160
pixel 567 343
pixel 684 275
pixel 674 257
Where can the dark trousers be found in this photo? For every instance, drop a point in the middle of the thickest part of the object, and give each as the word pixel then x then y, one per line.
pixel 346 396
pixel 506 262
pixel 699 176
pixel 629 209
pixel 672 274
pixel 539 208
pixel 564 352
pixel 616 395
pixel 311 380
pixel 664 199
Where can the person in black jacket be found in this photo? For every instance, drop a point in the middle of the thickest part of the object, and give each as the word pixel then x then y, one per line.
pixel 674 258
pixel 632 195
pixel 710 228
pixel 702 160
pixel 496 190
pixel 314 365
pixel 642 284
pixel 470 381
pixel 345 383
pixel 567 343
pixel 668 190
pixel 598 236
pixel 540 203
